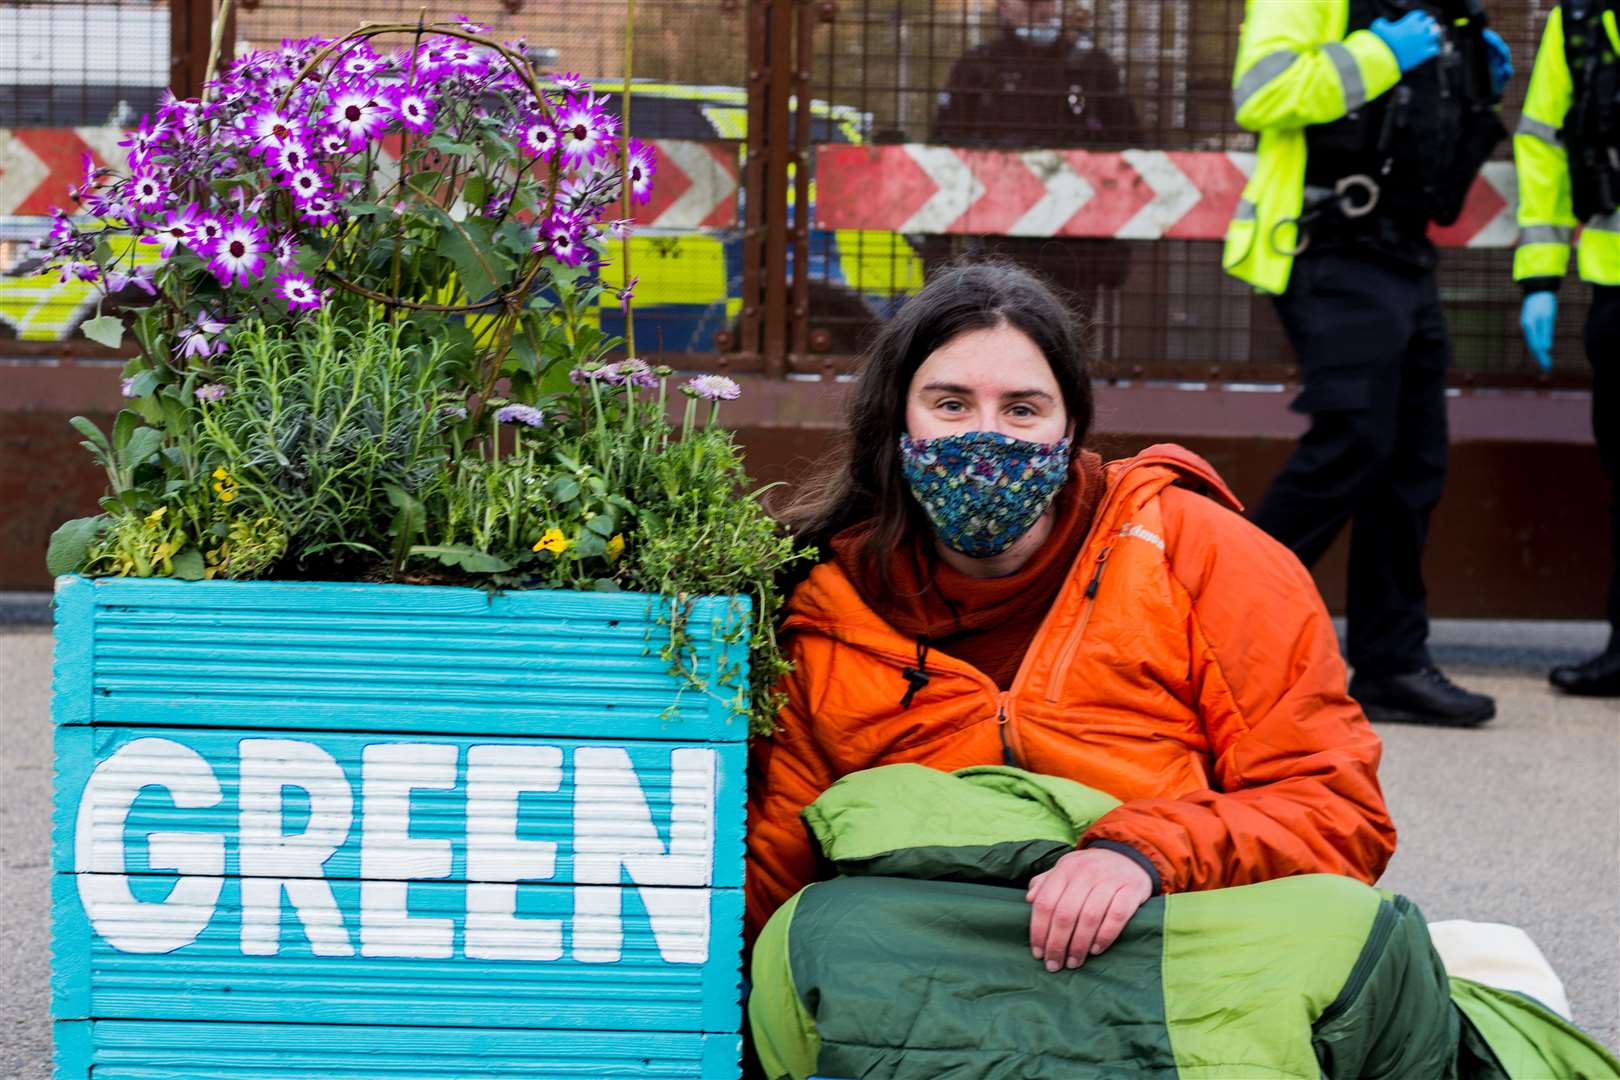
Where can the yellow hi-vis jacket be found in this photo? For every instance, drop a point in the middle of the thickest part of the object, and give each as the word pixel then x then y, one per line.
pixel 1546 216
pixel 1295 67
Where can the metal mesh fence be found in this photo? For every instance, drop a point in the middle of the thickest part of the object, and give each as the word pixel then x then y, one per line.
pixel 1129 75
pixel 73 64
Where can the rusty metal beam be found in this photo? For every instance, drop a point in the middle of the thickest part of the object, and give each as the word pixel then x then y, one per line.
pixel 754 197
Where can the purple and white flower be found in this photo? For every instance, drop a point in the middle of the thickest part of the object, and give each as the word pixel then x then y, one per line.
pixel 287 158
pixel 319 211
pixel 211 391
pixel 140 277
pixel 712 388
pixel 145 139
pixel 239 255
pixel 205 234
pixel 199 339
pixel 359 113
pixel 571 82
pixel 270 127
pixel 285 250
pixel 586 131
pixel 147 190
pixel 127 386
pixel 639 167
pixel 627 294
pixel 560 237
pixel 527 415
pixel 638 373
pixel 539 140
pixel 299 292
pixel 175 230
pixel 415 110
pixel 306 184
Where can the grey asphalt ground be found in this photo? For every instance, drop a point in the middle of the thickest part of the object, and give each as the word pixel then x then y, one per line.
pixel 1516 823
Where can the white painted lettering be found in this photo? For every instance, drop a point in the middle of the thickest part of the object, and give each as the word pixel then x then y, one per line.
pixel 272 861
pixel 388 856
pixel 496 859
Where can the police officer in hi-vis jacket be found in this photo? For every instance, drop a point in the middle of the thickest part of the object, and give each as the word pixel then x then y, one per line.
pixel 1567 148
pixel 1374 118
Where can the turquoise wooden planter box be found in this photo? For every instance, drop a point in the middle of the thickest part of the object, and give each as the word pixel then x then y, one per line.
pixel 319 830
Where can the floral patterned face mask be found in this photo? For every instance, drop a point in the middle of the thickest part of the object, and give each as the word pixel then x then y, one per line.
pixel 983 490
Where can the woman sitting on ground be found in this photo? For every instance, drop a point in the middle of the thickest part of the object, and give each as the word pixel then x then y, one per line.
pixel 991 593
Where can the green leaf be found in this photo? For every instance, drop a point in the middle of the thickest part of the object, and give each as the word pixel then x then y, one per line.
pixel 188 565
pixel 606 585
pixel 589 546
pixel 423 183
pixel 143 443
pixel 142 384
pixel 123 427
pixel 464 557
pixel 90 431
pixel 467 245
pixel 565 489
pixel 444 144
pixel 475 192
pixel 603 525
pixel 105 330
pixel 70 544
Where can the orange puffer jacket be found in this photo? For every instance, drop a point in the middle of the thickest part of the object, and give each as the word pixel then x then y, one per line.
pixel 1187 667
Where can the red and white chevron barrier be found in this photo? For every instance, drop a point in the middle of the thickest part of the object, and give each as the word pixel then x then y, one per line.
pixel 1131 195
pixel 696 187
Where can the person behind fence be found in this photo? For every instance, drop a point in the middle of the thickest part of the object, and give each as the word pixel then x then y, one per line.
pixel 1567 148
pixel 1374 118
pixel 991 593
pixel 1041 83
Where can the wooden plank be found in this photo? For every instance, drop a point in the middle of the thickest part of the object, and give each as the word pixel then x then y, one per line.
pixel 332 805
pixel 579 957
pixel 127 1050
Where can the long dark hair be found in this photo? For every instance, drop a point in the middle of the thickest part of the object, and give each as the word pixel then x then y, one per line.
pixel 863 480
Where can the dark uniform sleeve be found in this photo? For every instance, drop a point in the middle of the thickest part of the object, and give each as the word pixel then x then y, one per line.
pixel 956 120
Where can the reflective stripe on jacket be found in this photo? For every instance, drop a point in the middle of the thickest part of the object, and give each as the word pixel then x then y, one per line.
pixel 1187 668
pixel 1295 67
pixel 1546 217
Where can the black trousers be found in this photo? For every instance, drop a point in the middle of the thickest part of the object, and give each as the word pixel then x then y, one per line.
pixel 1603 350
pixel 1373 353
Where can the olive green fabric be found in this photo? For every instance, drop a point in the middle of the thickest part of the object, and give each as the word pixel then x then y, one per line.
pixel 785 1037
pixel 1247 971
pixel 985 823
pixel 917 980
pixel 1530 1040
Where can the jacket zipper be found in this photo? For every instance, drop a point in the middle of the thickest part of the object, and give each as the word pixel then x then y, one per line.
pixel 1072 646
pixel 1371 952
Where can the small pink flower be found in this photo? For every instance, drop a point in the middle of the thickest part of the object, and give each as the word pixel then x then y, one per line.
pixel 299 292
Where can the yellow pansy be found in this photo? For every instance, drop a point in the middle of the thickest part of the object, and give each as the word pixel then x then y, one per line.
pixel 553 541
pixel 615 547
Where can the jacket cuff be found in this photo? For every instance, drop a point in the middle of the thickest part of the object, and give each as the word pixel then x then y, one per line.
pixel 1132 854
pixel 1540 284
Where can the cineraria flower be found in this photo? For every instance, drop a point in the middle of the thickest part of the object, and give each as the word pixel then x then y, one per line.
pixel 239 256
pixel 526 415
pixel 146 190
pixel 211 391
pixel 269 127
pixel 198 338
pixel 469 26
pixel 305 185
pixel 140 277
pixel 571 82
pixel 362 61
pixel 333 144
pixel 415 110
pixel 285 250
pixel 144 139
pixel 712 388
pixel 560 237
pixel 639 166
pixel 586 132
pixel 287 158
pixel 627 294
pixel 319 211
pixel 299 292
pixel 61 226
pixel 205 233
pixel 127 386
pixel 357 114
pixel 84 271
pixel 539 140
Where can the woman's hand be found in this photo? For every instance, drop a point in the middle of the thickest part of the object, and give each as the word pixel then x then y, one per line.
pixel 1079 907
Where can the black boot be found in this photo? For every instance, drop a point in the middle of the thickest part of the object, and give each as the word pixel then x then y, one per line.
pixel 1420 697
pixel 1598 677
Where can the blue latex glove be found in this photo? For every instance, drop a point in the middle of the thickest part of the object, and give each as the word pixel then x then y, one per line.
pixel 1537 318
pixel 1501 61
pixel 1414 40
